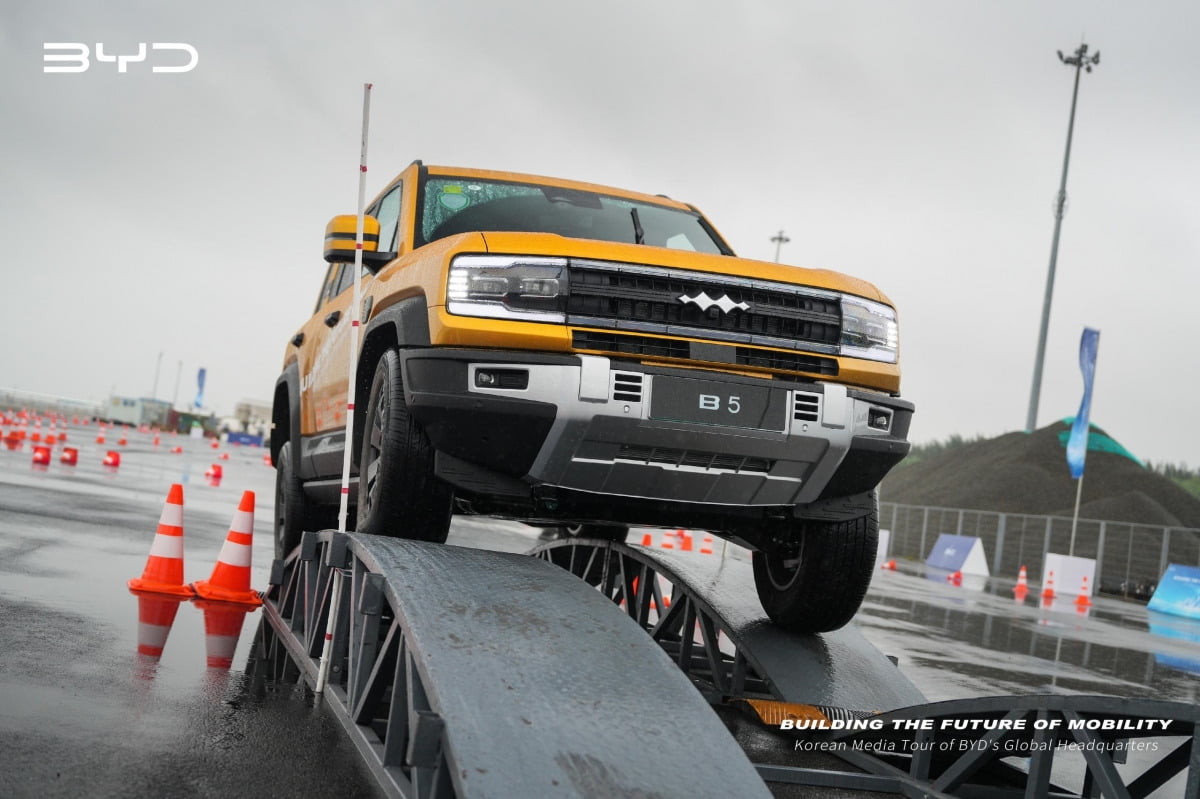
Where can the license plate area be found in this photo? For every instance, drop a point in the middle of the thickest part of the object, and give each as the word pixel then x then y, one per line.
pixel 683 399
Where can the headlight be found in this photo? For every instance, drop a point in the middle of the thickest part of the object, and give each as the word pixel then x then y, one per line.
pixel 869 330
pixel 508 287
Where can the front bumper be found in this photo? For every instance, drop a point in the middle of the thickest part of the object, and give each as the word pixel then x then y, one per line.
pixel 591 424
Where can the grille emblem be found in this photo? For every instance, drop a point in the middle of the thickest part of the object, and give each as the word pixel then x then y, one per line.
pixel 704 302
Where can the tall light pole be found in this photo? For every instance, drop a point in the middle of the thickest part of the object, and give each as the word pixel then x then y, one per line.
pixel 779 240
pixel 1081 61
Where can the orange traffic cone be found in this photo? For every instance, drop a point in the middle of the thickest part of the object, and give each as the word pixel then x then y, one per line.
pixel 889 566
pixel 1022 587
pixel 667 543
pixel 156 614
pixel 70 456
pixel 647 540
pixel 1048 593
pixel 112 458
pixel 685 540
pixel 230 580
pixel 1084 599
pixel 222 627
pixel 164 568
pixel 706 545
pixel 41 456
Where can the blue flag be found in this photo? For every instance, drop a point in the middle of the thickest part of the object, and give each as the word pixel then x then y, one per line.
pixel 1077 443
pixel 199 401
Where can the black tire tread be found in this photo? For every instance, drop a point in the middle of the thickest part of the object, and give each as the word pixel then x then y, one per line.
pixel 413 503
pixel 836 567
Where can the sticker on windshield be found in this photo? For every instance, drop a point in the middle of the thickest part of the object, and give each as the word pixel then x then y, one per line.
pixel 453 198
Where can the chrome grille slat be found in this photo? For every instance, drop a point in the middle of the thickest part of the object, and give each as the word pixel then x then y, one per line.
pixel 652 296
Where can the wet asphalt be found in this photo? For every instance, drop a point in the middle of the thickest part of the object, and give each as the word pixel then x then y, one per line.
pixel 83 712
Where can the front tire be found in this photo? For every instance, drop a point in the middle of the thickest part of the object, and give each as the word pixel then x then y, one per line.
pixel 398 493
pixel 818 585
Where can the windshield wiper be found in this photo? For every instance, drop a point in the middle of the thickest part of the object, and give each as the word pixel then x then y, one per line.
pixel 639 235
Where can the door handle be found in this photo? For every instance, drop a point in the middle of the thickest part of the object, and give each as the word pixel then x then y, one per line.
pixel 333 318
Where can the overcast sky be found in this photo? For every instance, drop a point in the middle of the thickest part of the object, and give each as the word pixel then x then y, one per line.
pixel 918 145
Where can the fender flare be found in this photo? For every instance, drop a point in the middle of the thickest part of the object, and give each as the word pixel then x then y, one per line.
pixel 287 386
pixel 402 324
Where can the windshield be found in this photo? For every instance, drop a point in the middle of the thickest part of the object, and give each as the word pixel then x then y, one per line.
pixel 461 205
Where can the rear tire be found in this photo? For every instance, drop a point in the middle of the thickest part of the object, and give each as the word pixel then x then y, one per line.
pixel 398 493
pixel 818 585
pixel 293 512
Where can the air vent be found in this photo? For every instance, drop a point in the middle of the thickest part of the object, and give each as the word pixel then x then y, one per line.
pixel 627 387
pixel 806 407
pixel 683 459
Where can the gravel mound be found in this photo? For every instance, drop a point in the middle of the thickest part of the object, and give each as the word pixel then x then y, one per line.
pixel 1027 473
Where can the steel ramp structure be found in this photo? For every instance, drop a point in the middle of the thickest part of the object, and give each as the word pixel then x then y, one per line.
pixel 464 672
pixel 704 611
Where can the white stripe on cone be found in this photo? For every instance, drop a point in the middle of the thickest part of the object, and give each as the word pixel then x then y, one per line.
pixel 172 515
pixel 219 650
pixel 243 522
pixel 167 546
pixel 153 636
pixel 235 554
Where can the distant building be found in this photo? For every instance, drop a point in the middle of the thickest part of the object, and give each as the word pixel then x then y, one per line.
pixel 136 411
pixel 254 416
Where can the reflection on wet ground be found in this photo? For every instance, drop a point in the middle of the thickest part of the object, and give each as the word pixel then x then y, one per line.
pixel 957 642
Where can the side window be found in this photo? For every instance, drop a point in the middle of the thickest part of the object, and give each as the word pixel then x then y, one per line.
pixel 344 280
pixel 331 276
pixel 388 215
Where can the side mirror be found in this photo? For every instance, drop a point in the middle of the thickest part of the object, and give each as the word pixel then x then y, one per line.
pixel 341 234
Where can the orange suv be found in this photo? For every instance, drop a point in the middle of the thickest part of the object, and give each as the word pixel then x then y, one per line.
pixel 563 353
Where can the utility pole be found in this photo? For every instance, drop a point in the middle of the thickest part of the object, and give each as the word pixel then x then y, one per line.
pixel 1081 61
pixel 779 240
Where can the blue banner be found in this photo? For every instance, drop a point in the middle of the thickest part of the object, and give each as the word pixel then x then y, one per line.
pixel 199 401
pixel 1077 443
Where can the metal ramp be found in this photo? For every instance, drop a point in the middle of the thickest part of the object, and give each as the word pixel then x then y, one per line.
pixel 715 631
pixel 464 672
pixel 705 613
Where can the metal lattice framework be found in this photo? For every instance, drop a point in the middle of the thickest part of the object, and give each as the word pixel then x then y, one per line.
pixel 463 672
pixel 683 624
pixel 988 764
pixel 376 689
pixel 705 613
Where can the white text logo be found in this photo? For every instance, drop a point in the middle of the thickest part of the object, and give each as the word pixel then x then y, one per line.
pixel 76 57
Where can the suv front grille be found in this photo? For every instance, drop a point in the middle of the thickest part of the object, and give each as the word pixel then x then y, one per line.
pixel 649 299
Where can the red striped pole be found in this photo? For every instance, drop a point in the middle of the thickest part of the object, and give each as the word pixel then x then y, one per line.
pixel 355 322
